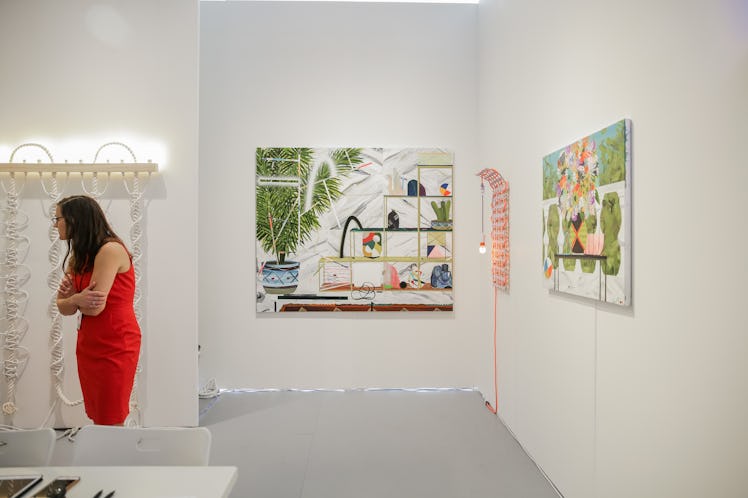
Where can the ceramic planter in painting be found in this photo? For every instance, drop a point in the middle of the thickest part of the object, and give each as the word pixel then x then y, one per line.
pixel 280 278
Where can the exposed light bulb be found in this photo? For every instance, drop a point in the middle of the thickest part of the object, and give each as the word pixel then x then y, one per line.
pixel 482 247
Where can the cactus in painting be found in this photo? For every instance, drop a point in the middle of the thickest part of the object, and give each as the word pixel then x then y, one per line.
pixel 441 210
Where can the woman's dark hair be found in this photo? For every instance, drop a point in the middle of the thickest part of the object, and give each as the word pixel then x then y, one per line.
pixel 86 230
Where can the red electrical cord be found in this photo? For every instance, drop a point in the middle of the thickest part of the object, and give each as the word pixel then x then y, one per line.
pixel 495 373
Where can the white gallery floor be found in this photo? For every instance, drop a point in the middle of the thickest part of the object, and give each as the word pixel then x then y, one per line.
pixel 360 444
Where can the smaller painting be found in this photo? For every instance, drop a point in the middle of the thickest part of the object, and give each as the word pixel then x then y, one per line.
pixel 587 216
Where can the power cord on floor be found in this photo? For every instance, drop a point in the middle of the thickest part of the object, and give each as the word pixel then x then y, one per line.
pixel 209 390
pixel 495 408
pixel 69 434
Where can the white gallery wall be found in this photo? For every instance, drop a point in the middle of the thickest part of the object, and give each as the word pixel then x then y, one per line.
pixel 331 74
pixel 647 401
pixel 652 400
pixel 78 74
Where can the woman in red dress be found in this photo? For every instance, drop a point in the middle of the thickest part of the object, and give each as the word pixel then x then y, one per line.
pixel 99 282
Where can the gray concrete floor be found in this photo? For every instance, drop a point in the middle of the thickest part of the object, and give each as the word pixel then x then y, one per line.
pixel 359 444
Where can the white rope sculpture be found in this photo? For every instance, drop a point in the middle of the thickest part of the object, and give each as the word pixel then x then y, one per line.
pixel 136 234
pixel 95 190
pixel 135 192
pixel 54 276
pixel 14 274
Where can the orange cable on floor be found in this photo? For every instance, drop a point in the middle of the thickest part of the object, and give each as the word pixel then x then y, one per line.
pixel 495 372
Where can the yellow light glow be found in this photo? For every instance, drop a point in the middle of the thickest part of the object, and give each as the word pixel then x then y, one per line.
pixel 84 150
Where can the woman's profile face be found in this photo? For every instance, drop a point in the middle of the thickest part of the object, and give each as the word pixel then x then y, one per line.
pixel 59 223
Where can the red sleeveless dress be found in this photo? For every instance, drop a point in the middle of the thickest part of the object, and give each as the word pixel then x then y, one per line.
pixel 107 351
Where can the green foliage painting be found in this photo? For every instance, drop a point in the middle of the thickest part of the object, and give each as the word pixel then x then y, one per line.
pixel 613 155
pixel 550 179
pixel 353 229
pixel 586 206
pixel 293 191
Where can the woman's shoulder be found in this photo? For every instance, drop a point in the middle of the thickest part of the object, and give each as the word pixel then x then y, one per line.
pixel 113 248
pixel 115 253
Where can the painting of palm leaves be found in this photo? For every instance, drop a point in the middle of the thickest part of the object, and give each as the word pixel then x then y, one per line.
pixel 320 218
pixel 295 187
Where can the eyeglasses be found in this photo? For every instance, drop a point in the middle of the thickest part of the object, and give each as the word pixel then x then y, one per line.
pixel 55 219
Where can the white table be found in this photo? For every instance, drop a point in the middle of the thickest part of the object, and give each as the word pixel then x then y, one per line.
pixel 138 482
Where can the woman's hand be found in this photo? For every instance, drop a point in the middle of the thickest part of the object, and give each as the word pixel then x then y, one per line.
pixel 66 289
pixel 90 299
pixel 65 296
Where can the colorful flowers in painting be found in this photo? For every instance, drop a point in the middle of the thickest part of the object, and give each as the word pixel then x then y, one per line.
pixel 577 185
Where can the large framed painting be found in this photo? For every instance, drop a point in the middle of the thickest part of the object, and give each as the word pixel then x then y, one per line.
pixel 587 216
pixel 354 229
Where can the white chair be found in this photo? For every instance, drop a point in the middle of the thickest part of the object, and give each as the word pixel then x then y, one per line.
pixel 26 448
pixel 113 445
